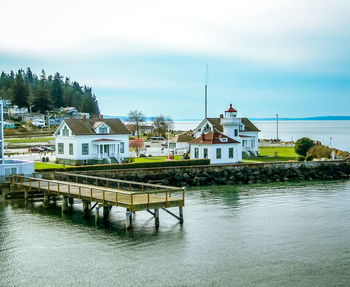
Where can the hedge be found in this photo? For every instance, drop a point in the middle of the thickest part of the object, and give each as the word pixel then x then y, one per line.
pixel 191 162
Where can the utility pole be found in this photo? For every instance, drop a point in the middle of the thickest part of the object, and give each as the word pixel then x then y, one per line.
pixel 277 127
pixel 206 92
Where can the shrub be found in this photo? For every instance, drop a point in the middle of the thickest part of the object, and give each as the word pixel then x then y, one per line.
pixel 301 158
pixel 320 151
pixel 142 155
pixel 309 157
pixel 303 145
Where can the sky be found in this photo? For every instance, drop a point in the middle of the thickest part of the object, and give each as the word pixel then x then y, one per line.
pixel 263 56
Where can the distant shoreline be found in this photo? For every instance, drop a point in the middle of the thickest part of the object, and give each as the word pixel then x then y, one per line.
pixel 323 118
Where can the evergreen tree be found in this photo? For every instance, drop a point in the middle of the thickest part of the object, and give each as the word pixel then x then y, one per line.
pixel 56 91
pixel 20 91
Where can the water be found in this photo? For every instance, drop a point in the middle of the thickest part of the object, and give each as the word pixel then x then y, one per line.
pixel 270 236
pixel 332 133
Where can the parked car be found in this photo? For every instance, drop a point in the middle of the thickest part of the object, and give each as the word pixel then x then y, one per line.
pixel 165 144
pixel 36 149
pixel 47 148
pixel 157 138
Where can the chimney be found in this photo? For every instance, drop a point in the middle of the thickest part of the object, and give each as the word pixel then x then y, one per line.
pixel 100 117
pixel 84 117
pixel 221 116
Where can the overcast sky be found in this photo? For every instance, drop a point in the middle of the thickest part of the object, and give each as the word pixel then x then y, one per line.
pixel 264 56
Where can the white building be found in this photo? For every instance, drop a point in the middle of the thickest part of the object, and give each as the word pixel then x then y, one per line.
pixel 90 141
pixel 241 130
pixel 8 167
pixel 38 123
pixel 180 144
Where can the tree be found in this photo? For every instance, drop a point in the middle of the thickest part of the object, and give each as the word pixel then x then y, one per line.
pixel 162 124
pixel 136 145
pixel 303 145
pixel 56 91
pixel 136 118
pixel 20 91
pixel 41 100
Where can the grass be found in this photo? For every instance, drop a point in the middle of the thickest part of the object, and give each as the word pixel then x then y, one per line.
pixel 271 154
pixel 29 140
pixel 44 165
pixel 154 158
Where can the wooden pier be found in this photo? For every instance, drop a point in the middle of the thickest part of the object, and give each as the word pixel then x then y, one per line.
pixel 104 192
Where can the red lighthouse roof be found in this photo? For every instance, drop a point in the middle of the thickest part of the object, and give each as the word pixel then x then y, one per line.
pixel 231 109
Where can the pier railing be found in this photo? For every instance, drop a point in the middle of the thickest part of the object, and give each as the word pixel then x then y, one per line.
pixel 103 194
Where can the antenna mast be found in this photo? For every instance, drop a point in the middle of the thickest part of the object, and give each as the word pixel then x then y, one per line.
pixel 206 91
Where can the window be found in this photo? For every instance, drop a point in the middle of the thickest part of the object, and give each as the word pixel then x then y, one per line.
pixel 205 152
pixel 172 145
pixel 103 130
pixel 60 147
pixel 218 153
pixel 230 152
pixel 196 152
pixel 10 170
pixel 65 131
pixel 122 147
pixel 70 148
pixel 236 133
pixel 253 143
pixel 84 148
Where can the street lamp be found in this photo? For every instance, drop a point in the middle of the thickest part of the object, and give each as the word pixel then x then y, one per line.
pixel 277 127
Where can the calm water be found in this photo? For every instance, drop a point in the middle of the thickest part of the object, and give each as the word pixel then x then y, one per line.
pixel 282 236
pixel 333 133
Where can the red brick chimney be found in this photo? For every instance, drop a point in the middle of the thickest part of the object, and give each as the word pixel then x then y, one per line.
pixel 84 117
pixel 221 116
pixel 100 117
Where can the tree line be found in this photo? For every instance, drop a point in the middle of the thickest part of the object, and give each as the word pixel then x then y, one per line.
pixel 46 92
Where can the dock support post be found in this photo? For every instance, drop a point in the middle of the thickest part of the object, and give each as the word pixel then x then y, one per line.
pixel 86 206
pixel 181 213
pixel 156 215
pixel 71 201
pixel 46 199
pixel 64 204
pixel 106 210
pixel 128 219
pixel 97 213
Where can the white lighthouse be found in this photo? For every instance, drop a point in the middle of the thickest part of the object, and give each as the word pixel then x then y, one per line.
pixel 231 123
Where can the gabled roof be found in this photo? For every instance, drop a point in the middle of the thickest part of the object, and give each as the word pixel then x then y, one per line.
pixel 182 138
pixel 86 126
pixel 249 126
pixel 213 138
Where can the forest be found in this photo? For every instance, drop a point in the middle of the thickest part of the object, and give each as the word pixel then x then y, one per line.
pixel 44 93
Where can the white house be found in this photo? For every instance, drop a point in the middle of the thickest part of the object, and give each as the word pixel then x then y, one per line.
pixel 218 147
pixel 90 141
pixel 180 144
pixel 242 130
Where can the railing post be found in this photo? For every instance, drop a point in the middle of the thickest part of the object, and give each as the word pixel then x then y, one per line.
pixel 130 187
pixel 183 196
pixel 96 182
pixel 118 185
pixel 166 199
pixel 147 200
pixel 90 194
pixel 106 183
pixel 103 196
pixel 58 188
pixel 21 181
pixel 39 185
pixel 79 192
pixel 132 201
pixel 116 199
pixel 68 189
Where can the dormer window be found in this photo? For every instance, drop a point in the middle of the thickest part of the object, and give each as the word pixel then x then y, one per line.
pixel 65 131
pixel 223 140
pixel 102 130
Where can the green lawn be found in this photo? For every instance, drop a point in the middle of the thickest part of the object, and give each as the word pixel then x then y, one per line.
pixel 44 165
pixel 29 140
pixel 268 154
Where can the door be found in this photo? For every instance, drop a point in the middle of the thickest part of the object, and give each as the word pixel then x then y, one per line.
pixel 106 149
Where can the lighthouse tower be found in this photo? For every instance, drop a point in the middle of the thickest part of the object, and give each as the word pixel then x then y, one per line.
pixel 231 123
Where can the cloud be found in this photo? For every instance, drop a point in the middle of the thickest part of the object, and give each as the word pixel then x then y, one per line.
pixel 277 32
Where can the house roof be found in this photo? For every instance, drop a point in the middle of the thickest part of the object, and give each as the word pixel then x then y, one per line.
pixel 86 126
pixel 249 126
pixel 231 109
pixel 182 138
pixel 213 138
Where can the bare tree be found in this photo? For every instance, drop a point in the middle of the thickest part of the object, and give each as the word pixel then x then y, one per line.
pixel 136 118
pixel 162 124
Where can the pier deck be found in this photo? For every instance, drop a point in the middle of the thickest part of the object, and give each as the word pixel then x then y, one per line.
pixel 137 199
